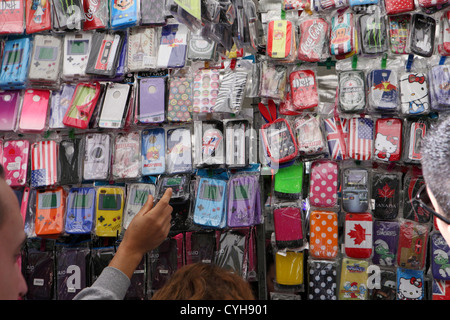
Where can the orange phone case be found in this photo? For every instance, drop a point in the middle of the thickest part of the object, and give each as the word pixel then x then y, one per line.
pixel 323 235
pixel 50 210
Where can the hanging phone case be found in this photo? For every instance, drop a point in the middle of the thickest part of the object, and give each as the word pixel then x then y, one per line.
pixel 388 139
pixel 212 150
pixel 180 101
pixel 360 138
pixel 414 95
pixel 45 60
pixel 310 139
pixel 142 48
pixel 385 241
pixel 323 183
pixel 50 212
pixel 33 116
pixel 415 131
pixel 336 130
pixel 70 160
pixel 127 155
pixel 230 97
pixel 44 164
pixel 124 14
pixel 179 150
pixel 12 16
pixel 37 16
pixel 432 6
pixel 313 40
pixel 80 213
pixel 288 226
pixel 386 191
pixel 67 15
pixel 445 33
pixel 82 105
pixel 173 46
pixel 383 90
pixel 373 33
pixel 439 252
pixel 97 157
pixel 439 87
pixel 355 190
pixel 303 89
pixel 342 33
pixel 77 47
pixel 353 281
pixel 96 13
pixel 358 240
pixel 279 39
pixel 410 284
pixel 398 6
pixel 15 62
pixel 15 162
pixel 412 211
pixel 152 100
pixel 104 55
pixel 322 280
pixel 289 268
pixel 153 151
pixel 423 33
pixel 412 245
pixel 237 140
pixel 153 12
pixel 205 91
pixel 10 101
pixel 114 106
pixel 210 203
pixel 352 91
pixel 323 243
pixel 244 202
pixel 399 28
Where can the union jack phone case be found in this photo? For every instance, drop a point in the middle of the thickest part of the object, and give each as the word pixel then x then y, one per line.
pixel 323 183
pixel 412 245
pixel 323 243
pixel 336 129
pixel 358 235
pixel 388 139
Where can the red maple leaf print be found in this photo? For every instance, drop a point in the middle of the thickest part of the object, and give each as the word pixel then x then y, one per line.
pixel 358 234
pixel 386 192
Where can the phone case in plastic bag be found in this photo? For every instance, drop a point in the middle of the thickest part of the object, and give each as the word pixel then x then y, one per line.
pixel 386 191
pixel 353 281
pixel 423 33
pixel 153 151
pixel 44 163
pixel 414 95
pixel 80 215
pixel 373 33
pixel 179 151
pixel 342 33
pixel 336 129
pixel 352 91
pixel 173 46
pixel 323 242
pixel 383 90
pixel 360 138
pixel 206 89
pixel 303 89
pixel 97 156
pixel 323 183
pixel 15 162
pixel 385 240
pixel 12 17
pixel 288 224
pixel 388 139
pixel 10 101
pixel 412 245
pixel 399 28
pixel 279 39
pixel 180 101
pixel 322 280
pixel 398 6
pixel 313 40
pixel 410 284
pixel 126 162
pixel 358 240
pixel 439 87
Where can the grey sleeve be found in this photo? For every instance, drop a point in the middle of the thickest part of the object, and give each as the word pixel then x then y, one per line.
pixel 112 284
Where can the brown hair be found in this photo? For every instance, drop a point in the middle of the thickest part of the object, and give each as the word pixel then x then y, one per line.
pixel 201 281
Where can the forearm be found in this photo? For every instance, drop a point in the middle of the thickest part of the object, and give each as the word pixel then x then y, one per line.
pixel 126 260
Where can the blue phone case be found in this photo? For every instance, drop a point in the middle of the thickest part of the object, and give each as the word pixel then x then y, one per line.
pixel 80 211
pixel 124 13
pixel 15 62
pixel 210 203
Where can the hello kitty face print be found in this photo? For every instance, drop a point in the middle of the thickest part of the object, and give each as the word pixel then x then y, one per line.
pixel 414 93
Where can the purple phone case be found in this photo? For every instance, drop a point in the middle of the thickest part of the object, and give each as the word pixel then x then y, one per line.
pixel 440 85
pixel 440 252
pixel 385 242
pixel 244 212
pixel 152 100
pixel 8 109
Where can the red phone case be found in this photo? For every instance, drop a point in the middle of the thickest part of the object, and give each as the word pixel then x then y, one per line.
pixel 398 6
pixel 37 16
pixel 358 235
pixel 313 34
pixel 388 139
pixel 412 245
pixel 303 89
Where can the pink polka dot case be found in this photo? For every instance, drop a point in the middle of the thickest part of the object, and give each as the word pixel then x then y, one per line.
pixel 323 184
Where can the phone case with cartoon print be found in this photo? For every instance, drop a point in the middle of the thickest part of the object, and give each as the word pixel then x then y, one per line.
pixel 353 282
pixel 388 139
pixel 399 28
pixel 414 95
pixel 440 252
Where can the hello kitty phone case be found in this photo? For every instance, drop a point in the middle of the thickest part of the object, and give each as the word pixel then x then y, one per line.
pixel 388 139
pixel 414 96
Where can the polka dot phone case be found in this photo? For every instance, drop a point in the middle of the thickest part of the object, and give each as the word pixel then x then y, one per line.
pixel 322 279
pixel 323 184
pixel 323 235
pixel 179 108
pixel 398 6
pixel 15 162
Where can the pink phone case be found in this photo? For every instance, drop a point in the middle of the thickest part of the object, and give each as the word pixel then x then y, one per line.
pixel 33 116
pixel 323 184
pixel 15 162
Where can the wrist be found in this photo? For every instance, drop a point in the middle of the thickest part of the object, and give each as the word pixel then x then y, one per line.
pixel 126 260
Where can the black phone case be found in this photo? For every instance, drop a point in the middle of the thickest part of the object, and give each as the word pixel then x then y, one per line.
pixel 422 35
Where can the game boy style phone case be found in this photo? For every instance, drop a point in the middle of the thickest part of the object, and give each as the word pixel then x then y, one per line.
pixel 373 34
pixel 44 163
pixel 410 284
pixel 360 138
pixel 288 182
pixel 288 225
pixel 115 105
pixel 244 202
pixel 398 6
pixel 10 102
pixel 80 213
pixel 323 242
pixel 126 162
pixel 210 203
pixel 179 107
pixel 15 162
pixel 388 139
pixel 142 48
pixel 439 87
pixel 81 107
pixel 77 47
pixel 399 28
pixel 179 150
pixel 358 235
pixel 153 151
pixel 237 143
pixel 50 212
pixel 386 191
pixel 353 281
pixel 109 211
pixel 180 185
pixel 123 14
pixel 172 46
pixel 313 40
pixel 411 211
pixel 97 157
pixel 303 92
pixel 45 60
pixel 289 268
pixel 137 194
pixel 104 54
pixel 280 39
pixel 15 62
pixel 355 190
pixel 383 90
pixel 412 245
pixel 385 242
pixel 423 33
pixel 70 153
pixel 152 100
pixel 414 98
pixel 352 91
pixel 415 131
pixel 12 17
pixel 322 279
pixel 33 116
pixel 37 16
pixel 323 183
pixel 96 14
pixel 67 15
pixel 342 33
pixel 439 257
